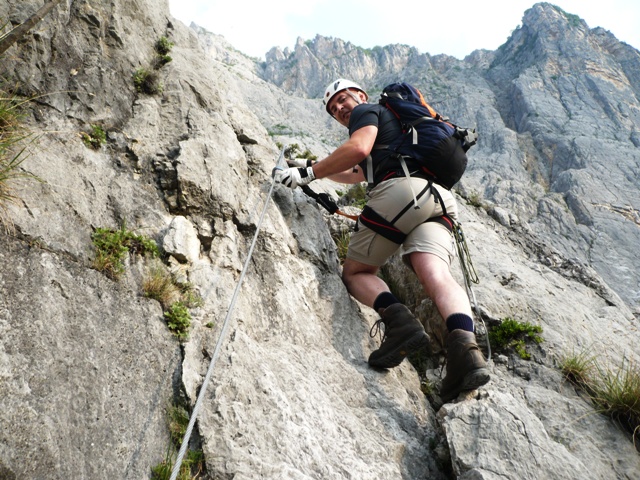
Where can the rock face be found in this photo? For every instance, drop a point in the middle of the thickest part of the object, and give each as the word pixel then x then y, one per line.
pixel 88 368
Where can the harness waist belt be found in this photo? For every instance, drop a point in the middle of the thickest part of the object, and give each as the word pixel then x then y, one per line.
pixel 372 220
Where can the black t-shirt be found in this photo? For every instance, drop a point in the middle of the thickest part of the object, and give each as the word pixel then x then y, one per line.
pixel 389 130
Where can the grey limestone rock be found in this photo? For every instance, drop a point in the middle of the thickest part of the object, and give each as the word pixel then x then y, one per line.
pixel 88 367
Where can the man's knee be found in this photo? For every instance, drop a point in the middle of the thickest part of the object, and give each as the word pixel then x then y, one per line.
pixel 347 272
pixel 351 268
pixel 431 270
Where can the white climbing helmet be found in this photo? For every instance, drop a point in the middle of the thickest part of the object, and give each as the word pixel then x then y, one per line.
pixel 337 86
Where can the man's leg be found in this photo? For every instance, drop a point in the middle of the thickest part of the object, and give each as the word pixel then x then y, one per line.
pixel 362 282
pixel 403 333
pixel 439 284
pixel 466 366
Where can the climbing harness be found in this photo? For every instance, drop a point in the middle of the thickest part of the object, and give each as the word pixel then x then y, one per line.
pixel 371 219
pixel 205 383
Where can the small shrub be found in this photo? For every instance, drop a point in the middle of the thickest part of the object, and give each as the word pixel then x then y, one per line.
pixel 356 195
pixel 193 461
pixel 163 470
pixel 163 46
pixel 280 129
pixel 178 320
pixel 147 81
pixel 96 138
pixel 112 246
pixel 292 150
pixel 307 154
pixel 162 60
pixel 513 334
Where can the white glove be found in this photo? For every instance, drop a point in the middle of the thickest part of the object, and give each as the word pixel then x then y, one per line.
pixel 294 177
pixel 300 162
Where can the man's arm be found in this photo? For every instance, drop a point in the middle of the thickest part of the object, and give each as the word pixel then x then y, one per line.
pixel 347 156
pixel 350 176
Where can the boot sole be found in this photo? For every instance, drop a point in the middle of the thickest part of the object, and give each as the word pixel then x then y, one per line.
pixel 471 381
pixel 396 356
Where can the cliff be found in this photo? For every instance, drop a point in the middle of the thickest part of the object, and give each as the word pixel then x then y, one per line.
pixel 89 369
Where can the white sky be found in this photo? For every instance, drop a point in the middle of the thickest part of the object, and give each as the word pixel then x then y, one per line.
pixel 455 27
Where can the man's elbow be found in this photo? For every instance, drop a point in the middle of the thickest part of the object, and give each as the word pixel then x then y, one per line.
pixel 361 151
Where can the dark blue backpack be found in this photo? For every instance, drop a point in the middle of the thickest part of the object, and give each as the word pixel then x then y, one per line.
pixel 425 135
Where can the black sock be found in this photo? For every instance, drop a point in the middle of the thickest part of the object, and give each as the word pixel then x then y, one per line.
pixel 459 321
pixel 384 300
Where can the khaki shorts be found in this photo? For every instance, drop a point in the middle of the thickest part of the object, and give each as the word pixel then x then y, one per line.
pixel 388 199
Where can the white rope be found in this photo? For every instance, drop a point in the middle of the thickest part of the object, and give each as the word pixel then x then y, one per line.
pixel 203 389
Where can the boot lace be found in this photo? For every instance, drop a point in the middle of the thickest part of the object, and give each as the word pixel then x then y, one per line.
pixel 376 330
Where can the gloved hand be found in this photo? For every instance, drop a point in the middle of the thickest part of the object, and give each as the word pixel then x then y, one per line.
pixel 294 177
pixel 300 162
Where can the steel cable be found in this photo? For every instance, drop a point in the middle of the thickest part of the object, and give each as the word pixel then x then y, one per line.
pixel 225 325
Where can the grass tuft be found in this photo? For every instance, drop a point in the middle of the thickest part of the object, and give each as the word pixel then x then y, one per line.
pixel 614 391
pixel 341 239
pixel 160 285
pixel 193 460
pixel 578 367
pixel 14 138
pixel 192 463
pixel 178 423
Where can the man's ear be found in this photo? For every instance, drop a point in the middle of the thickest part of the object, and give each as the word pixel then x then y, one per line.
pixel 362 96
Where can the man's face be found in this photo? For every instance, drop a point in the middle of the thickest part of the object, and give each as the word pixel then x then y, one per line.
pixel 342 103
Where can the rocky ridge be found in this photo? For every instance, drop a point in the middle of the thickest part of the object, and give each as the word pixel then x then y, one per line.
pixel 88 368
pixel 557 110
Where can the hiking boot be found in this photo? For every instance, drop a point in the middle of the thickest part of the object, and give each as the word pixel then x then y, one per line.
pixel 466 366
pixel 403 334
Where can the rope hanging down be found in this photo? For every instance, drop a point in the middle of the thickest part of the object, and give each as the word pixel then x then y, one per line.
pixel 225 325
pixel 470 276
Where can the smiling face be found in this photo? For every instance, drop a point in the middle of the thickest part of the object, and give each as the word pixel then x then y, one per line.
pixel 343 102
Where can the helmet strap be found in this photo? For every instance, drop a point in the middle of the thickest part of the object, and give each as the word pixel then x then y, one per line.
pixel 354 96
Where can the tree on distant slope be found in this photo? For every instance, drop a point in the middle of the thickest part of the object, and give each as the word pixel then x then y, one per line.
pixel 14 35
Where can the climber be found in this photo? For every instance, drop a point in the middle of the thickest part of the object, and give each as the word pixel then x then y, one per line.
pixel 428 248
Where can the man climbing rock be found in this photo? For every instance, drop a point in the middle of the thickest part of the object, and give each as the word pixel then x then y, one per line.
pixel 413 206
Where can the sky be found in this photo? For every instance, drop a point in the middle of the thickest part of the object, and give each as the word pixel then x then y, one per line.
pixel 255 26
